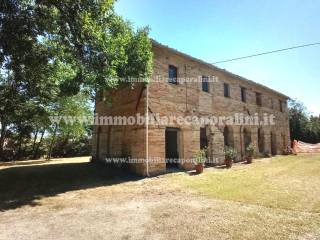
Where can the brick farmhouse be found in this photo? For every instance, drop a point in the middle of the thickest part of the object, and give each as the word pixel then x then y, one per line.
pixel 217 93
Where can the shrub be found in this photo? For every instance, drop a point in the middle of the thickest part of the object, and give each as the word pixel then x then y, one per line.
pixel 230 153
pixel 200 156
pixel 250 150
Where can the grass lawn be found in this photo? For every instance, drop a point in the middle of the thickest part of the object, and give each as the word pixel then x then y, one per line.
pixel 276 198
pixel 284 182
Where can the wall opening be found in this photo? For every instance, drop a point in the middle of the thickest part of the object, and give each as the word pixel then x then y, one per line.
pixel 171 145
pixel 261 140
pixel 228 136
pixel 203 138
pixel 246 137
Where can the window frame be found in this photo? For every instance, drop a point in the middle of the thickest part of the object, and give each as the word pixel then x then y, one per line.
pixel 205 84
pixel 259 99
pixel 280 105
pixel 226 90
pixel 172 80
pixel 243 94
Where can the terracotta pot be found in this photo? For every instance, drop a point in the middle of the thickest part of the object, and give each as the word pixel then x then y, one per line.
pixel 249 159
pixel 228 163
pixel 199 168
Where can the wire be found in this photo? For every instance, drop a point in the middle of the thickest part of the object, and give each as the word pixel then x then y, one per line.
pixel 264 53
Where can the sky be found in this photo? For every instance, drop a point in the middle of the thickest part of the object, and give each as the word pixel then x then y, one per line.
pixel 215 30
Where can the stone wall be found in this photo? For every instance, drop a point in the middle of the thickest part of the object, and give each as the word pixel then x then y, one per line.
pixel 185 99
pixel 188 99
pixel 121 141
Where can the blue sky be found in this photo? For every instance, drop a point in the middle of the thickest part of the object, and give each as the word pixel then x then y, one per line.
pixel 223 29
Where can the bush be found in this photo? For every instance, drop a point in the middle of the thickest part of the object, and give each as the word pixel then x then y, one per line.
pixel 230 153
pixel 250 150
pixel 200 156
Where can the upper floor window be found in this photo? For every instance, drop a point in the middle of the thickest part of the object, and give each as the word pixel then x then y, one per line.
pixel 280 106
pixel 173 74
pixel 205 84
pixel 243 94
pixel 226 88
pixel 258 99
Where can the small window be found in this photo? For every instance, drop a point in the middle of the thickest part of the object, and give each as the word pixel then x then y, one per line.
pixel 243 94
pixel 173 74
pixel 258 99
pixel 226 90
pixel 205 84
pixel 280 106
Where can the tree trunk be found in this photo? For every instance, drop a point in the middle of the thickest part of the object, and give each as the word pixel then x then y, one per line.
pixel 52 141
pixel 2 137
pixel 17 156
pixel 34 141
pixel 35 154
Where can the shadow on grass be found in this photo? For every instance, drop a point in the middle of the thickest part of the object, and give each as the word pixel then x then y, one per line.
pixel 24 185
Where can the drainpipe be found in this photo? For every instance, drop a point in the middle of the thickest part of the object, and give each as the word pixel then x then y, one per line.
pixel 185 76
pixel 147 128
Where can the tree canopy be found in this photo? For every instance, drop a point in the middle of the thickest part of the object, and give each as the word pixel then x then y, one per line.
pixel 303 126
pixel 52 52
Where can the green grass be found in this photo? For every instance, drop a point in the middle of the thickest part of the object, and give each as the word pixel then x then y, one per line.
pixel 291 182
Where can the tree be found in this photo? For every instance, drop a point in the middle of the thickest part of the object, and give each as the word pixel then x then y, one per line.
pixel 78 111
pixel 303 127
pixel 60 49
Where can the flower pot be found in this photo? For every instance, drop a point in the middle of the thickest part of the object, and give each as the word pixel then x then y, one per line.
pixel 249 159
pixel 228 162
pixel 199 168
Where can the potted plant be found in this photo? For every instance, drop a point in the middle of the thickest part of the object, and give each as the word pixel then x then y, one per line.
pixel 230 155
pixel 250 152
pixel 200 159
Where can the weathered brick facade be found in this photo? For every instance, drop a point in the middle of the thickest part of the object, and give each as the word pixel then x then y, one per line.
pixel 189 99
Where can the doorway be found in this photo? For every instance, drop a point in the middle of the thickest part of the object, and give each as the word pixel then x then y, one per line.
pixel 172 153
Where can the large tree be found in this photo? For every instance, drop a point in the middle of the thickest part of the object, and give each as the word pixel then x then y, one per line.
pixel 303 127
pixel 50 49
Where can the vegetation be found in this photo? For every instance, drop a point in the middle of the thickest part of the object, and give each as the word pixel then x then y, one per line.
pixel 250 150
pixel 274 197
pixel 230 153
pixel 200 156
pixel 303 126
pixel 265 183
pixel 58 57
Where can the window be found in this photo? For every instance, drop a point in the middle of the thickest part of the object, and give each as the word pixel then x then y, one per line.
pixel 205 84
pixel 243 94
pixel 258 99
pixel 173 74
pixel 226 90
pixel 280 106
